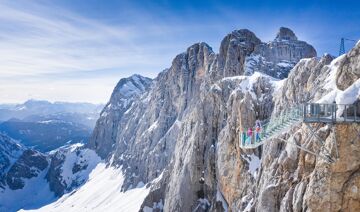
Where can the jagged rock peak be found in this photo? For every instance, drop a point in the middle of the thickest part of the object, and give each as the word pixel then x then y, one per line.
pixel 285 34
pixel 244 37
pixel 132 85
pixel 233 50
pixel 199 45
pixel 197 55
pixel 194 61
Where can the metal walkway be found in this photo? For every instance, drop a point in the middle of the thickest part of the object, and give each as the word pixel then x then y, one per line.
pixel 309 113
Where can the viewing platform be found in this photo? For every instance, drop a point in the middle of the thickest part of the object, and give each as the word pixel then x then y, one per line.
pixel 331 113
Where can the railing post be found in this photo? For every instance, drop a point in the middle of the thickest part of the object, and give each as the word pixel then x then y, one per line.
pixel 345 115
pixel 317 110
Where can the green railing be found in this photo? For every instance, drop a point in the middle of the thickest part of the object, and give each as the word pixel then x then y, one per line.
pixel 255 136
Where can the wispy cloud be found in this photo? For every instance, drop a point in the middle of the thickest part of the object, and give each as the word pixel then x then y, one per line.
pixel 37 40
pixel 42 43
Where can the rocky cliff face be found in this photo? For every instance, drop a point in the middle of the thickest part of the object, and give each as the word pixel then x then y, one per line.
pixel 125 93
pixel 147 131
pixel 349 70
pixel 184 127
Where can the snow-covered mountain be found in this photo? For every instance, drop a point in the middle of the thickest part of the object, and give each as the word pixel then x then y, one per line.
pixel 46 135
pixel 172 143
pixel 30 179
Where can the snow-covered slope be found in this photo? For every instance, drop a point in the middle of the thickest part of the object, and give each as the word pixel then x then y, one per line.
pixel 102 192
pixel 35 193
pixel 30 179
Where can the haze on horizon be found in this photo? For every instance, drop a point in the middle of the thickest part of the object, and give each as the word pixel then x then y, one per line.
pixel 77 50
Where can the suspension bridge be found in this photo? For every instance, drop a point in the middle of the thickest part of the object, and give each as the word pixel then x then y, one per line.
pixel 308 114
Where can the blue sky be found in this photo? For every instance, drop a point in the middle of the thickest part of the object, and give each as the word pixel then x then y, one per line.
pixel 76 50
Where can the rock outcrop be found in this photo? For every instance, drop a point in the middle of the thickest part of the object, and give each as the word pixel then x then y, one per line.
pixel 242 53
pixel 9 152
pixel 349 69
pixel 18 163
pixel 29 165
pixel 69 168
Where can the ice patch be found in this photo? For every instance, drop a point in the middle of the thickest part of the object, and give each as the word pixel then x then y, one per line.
pixel 284 64
pixel 254 164
pixel 153 126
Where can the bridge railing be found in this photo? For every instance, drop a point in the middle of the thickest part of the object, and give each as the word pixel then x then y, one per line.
pixel 327 113
pixel 253 136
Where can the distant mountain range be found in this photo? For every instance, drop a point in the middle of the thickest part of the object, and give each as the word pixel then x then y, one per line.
pixel 45 108
pixel 45 126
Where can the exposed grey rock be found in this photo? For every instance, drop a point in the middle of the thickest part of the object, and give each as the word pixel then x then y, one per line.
pixel 10 151
pixel 349 68
pixel 233 50
pixel 146 134
pixel 285 34
pixel 122 98
pixel 29 165
pixel 54 175
pixel 241 52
